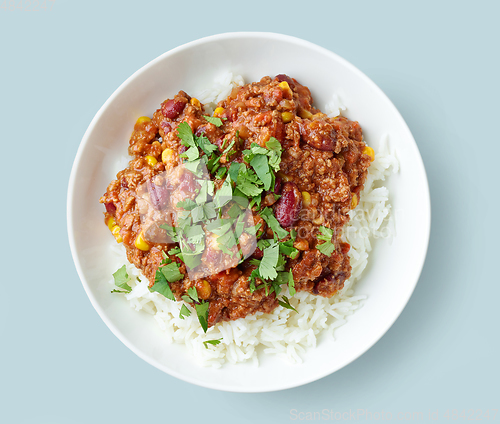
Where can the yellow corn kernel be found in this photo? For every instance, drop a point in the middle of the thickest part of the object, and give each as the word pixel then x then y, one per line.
pixel 319 220
pixel 151 160
pixel 301 244
pixel 195 102
pixel 142 244
pixel 167 155
pixel 284 85
pixel 370 152
pixel 354 201
pixel 203 289
pixel 143 119
pixel 284 176
pixel 156 143
pixel 287 117
pixel 305 114
pixel 306 199
pixel 110 222
pixel 116 232
pixel 218 112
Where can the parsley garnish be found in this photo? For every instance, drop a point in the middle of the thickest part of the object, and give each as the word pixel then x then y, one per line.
pixel 121 279
pixel 328 247
pixel 168 272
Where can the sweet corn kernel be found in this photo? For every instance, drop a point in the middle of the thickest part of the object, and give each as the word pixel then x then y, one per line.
pixel 143 119
pixel 218 112
pixel 203 288
pixel 110 222
pixel 370 152
pixel 306 199
pixel 116 232
pixel 195 102
pixel 142 244
pixel 151 160
pixel 287 117
pixel 167 155
pixel 284 176
pixel 301 245
pixel 354 201
pixel 284 85
pixel 305 114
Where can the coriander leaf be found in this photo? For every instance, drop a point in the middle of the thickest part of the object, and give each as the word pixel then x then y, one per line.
pixel 205 145
pixel 184 312
pixel 291 283
pixel 224 194
pixel 213 120
pixel 287 249
pixel 187 204
pixel 327 248
pixel 212 342
pixel 194 166
pixel 171 272
pixel 274 154
pixel 220 173
pixel 197 214
pixel 261 166
pixel 174 251
pixel 191 154
pixel 193 294
pixel 121 279
pixel 161 285
pixel 234 170
pixel 267 215
pixel 267 267
pixel 209 210
pixel 202 312
pixel 286 304
pixel 185 134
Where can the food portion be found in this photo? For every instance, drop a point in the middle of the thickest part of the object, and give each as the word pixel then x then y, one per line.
pixel 226 212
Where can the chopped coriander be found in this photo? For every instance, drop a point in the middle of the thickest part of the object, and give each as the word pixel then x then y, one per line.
pixel 171 272
pixel 184 312
pixel 121 279
pixel 285 302
pixel 261 166
pixel 193 294
pixel 328 247
pixel 267 267
pixel 214 120
pixel 268 216
pixel 212 342
pixel 185 133
pixel 161 285
pixel 202 312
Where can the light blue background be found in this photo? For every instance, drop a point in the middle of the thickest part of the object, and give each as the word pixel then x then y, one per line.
pixel 438 61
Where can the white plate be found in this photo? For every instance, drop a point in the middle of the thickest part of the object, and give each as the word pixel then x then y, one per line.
pixel 393 270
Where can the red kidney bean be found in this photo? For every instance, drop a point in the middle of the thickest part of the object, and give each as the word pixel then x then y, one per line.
pixel 319 134
pixel 158 195
pixel 200 130
pixel 110 208
pixel 258 253
pixel 277 185
pixel 187 184
pixel 172 108
pixel 287 208
pixel 283 77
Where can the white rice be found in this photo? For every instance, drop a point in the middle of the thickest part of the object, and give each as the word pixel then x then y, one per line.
pixel 284 333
